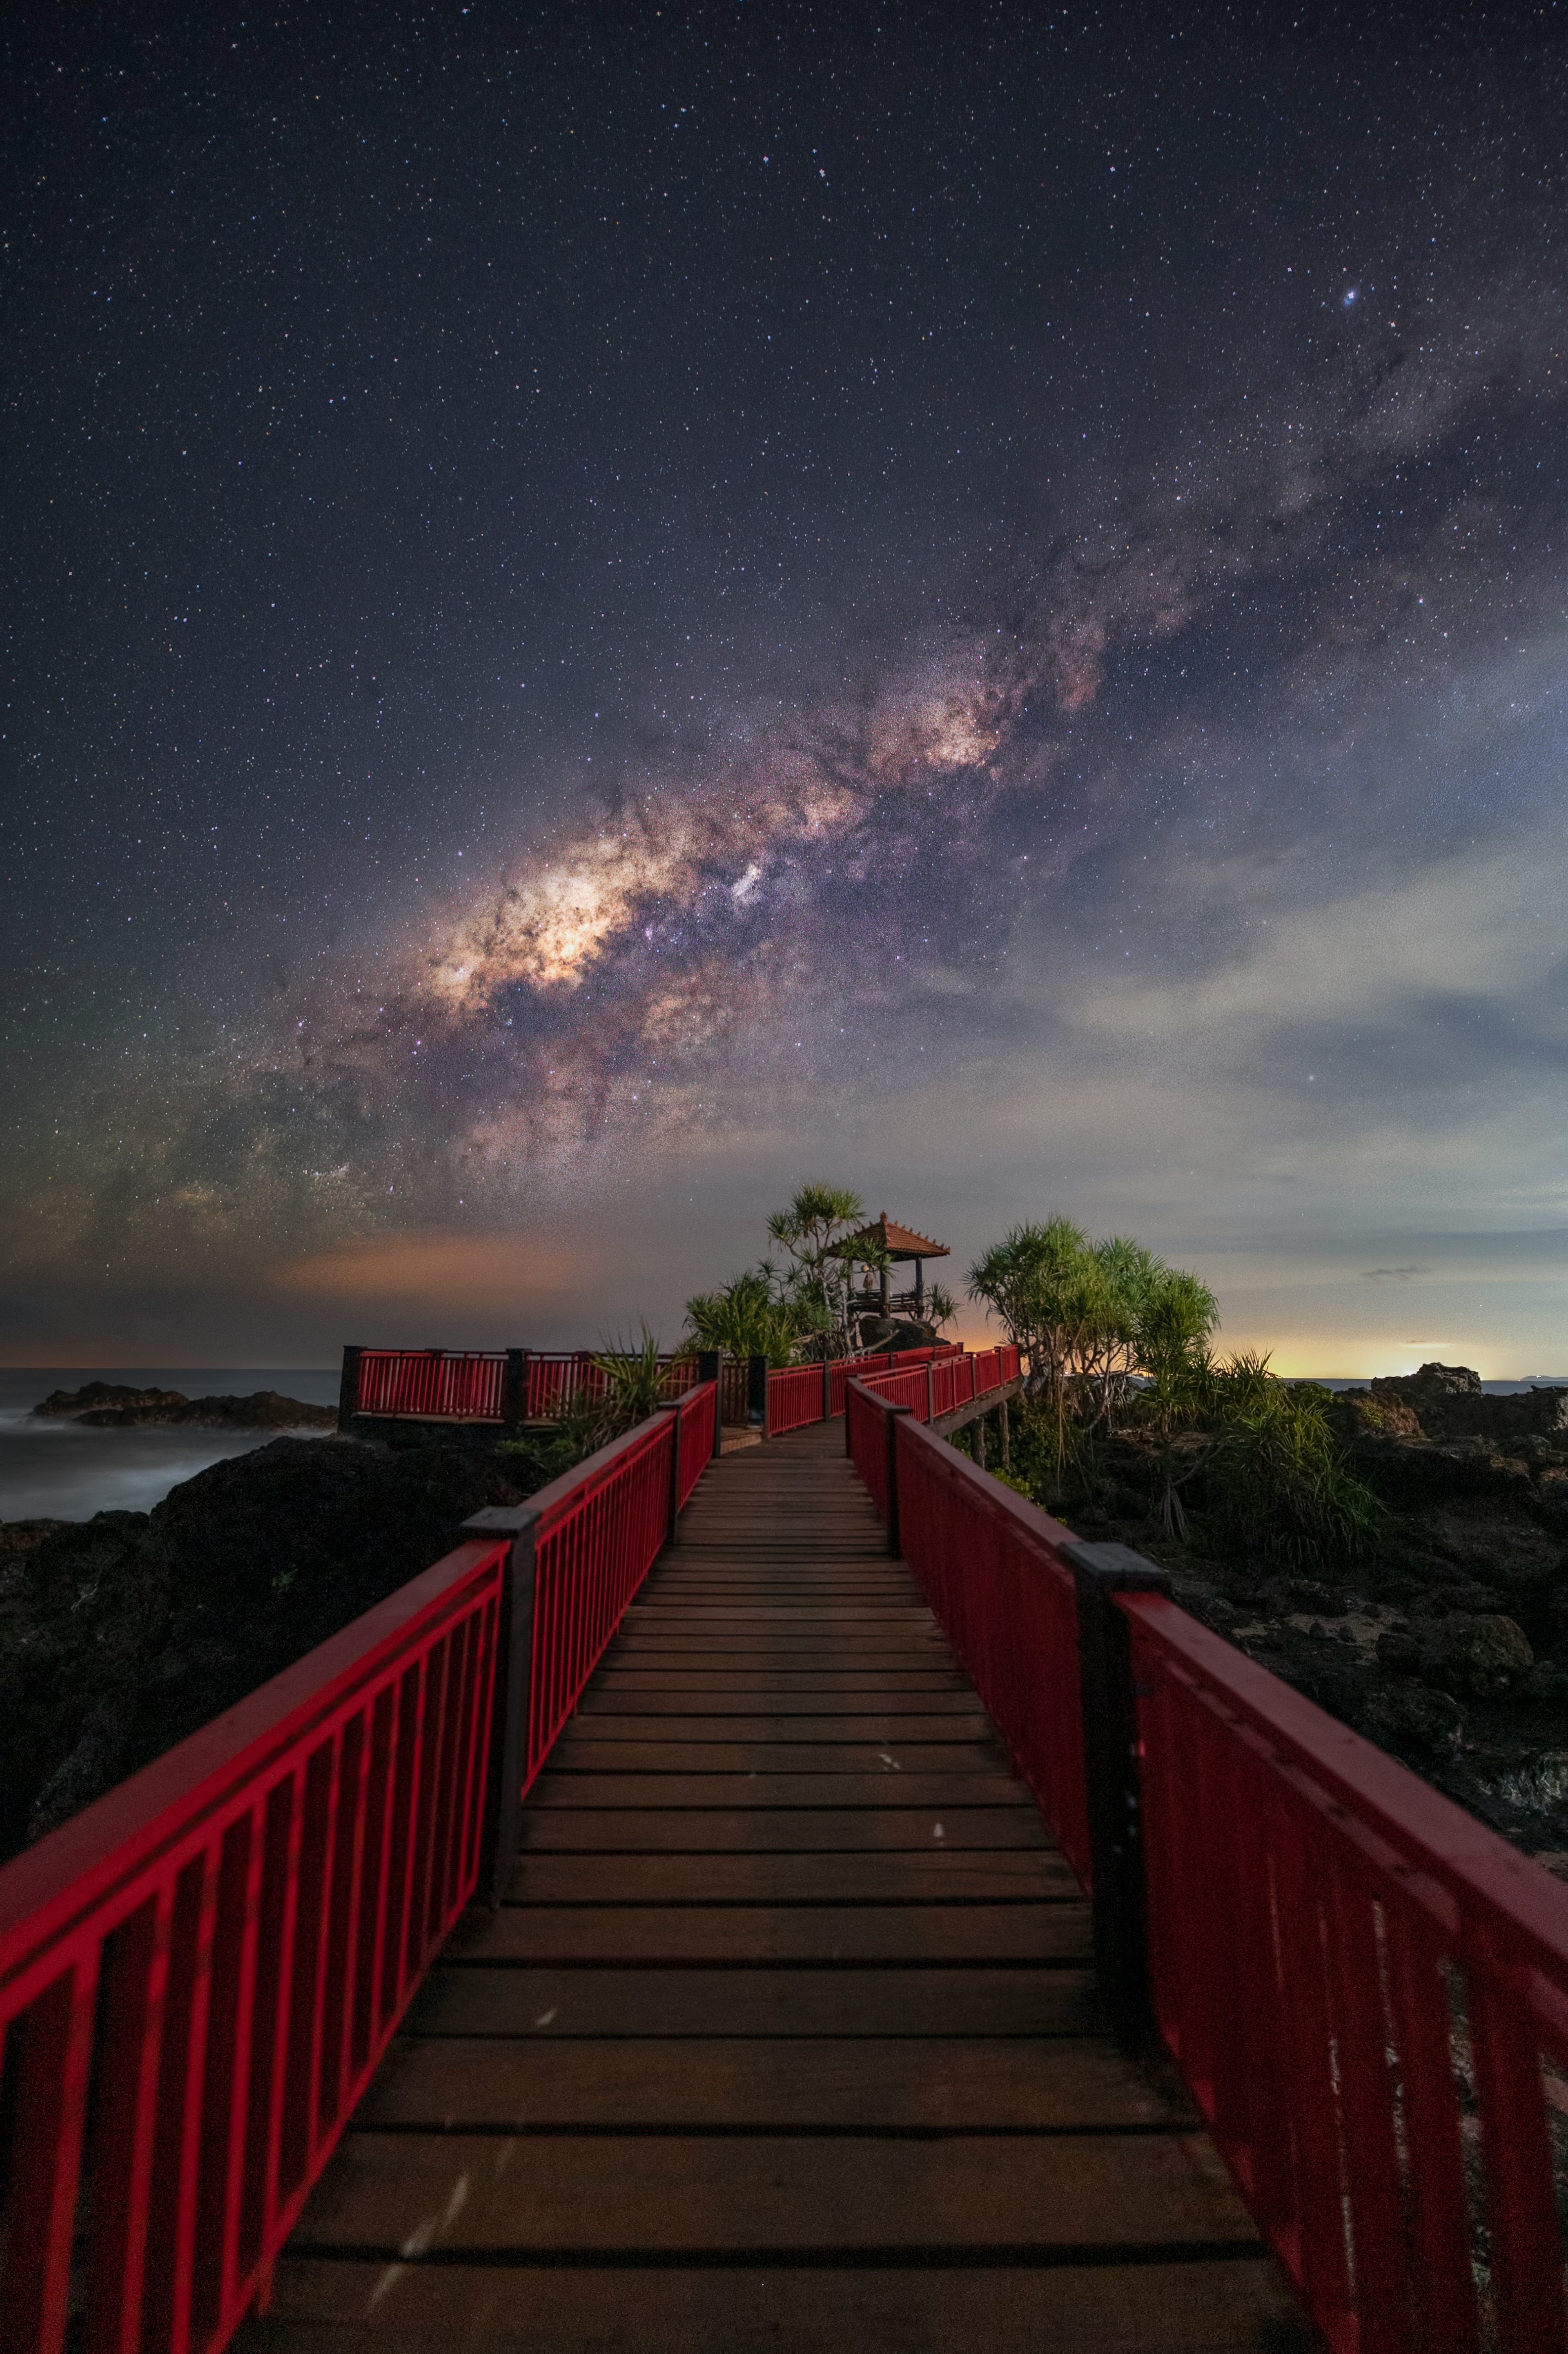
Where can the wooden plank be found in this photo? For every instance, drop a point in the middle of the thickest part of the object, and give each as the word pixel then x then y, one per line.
pixel 936 1686
pixel 474 2000
pixel 918 2085
pixel 790 1988
pixel 683 2192
pixel 674 1792
pixel 938 1874
pixel 905 1935
pixel 604 1728
pixel 411 2308
pixel 681 1753
pixel 845 1830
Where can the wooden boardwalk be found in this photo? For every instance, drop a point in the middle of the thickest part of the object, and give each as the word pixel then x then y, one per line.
pixel 787 2037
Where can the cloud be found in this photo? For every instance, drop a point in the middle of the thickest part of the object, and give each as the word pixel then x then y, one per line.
pixel 1392 1274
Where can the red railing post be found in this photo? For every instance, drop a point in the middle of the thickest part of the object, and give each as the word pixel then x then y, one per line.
pixel 1111 1778
pixel 827 1388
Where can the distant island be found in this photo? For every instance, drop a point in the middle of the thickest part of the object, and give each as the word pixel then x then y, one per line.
pixel 115 1405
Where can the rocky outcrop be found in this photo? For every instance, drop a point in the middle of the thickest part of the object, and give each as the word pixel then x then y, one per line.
pixel 892 1335
pixel 114 1406
pixel 124 1633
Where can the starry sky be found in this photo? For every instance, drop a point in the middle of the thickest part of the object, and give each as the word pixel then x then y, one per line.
pixel 607 610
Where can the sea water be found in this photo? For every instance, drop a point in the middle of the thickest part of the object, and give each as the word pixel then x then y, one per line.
pixel 55 1469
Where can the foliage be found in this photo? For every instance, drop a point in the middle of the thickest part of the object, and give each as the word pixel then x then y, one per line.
pixel 1090 1315
pixel 940 1307
pixel 796 1307
pixel 1113 1338
pixel 1276 1483
pixel 745 1318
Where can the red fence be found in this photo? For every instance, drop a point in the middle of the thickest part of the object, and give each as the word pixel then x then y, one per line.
pixel 932 1383
pixel 597 1532
pixel 1365 1990
pixel 463 1385
pixel 796 1395
pixel 470 1385
pixel 199 1974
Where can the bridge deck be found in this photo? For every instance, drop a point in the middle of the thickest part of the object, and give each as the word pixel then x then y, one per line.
pixel 786 2036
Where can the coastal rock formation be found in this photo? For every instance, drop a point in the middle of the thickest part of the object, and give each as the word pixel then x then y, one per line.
pixel 124 1633
pixel 114 1406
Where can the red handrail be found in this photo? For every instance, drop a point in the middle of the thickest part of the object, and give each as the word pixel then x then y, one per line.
pixel 597 1532
pixel 469 1385
pixel 199 1973
pixel 209 1962
pixel 465 1384
pixel 1365 1990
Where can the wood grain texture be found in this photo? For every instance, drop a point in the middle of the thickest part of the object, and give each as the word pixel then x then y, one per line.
pixel 786 2036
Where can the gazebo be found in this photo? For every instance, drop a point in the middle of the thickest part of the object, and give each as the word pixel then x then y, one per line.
pixel 899 1244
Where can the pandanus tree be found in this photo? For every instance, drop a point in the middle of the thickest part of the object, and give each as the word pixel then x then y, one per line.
pixel 1089 1315
pixel 797 1304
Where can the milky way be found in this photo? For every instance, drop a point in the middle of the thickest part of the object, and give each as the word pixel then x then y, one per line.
pixel 656 610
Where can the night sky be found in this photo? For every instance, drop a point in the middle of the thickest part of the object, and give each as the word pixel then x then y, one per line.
pixel 605 611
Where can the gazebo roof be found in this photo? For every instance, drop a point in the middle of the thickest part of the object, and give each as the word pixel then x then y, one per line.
pixel 899 1242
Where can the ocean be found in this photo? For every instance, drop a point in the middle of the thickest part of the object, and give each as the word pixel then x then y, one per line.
pixel 57 1470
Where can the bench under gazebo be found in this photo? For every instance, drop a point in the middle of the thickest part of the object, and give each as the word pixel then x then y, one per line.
pixel 879 1246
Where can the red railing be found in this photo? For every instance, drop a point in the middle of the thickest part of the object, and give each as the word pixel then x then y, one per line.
pixel 461 1384
pixel 1365 1990
pixel 597 1532
pixel 199 1973
pixel 470 1385
pixel 932 1383
pixel 796 1395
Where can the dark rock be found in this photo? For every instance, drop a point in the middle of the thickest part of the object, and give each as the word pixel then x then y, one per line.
pixel 894 1335
pixel 1399 1651
pixel 113 1397
pixel 1479 1657
pixel 133 1628
pixel 262 1410
pixel 1413 1722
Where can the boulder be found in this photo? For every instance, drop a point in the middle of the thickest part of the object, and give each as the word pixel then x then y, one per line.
pixel 1416 1723
pixel 1478 1656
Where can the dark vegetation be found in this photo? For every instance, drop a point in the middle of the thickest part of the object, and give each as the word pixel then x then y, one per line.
pixel 1398 1552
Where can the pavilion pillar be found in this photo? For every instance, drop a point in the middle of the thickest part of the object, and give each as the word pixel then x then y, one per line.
pixel 919 1291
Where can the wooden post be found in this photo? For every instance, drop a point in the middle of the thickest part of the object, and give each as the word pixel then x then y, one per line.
pixel 980 1440
pixel 756 1392
pixel 919 1290
pixel 515 1391
pixel 885 1289
pixel 509 1705
pixel 710 1368
pixel 1112 1781
pixel 1006 1439
pixel 348 1389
